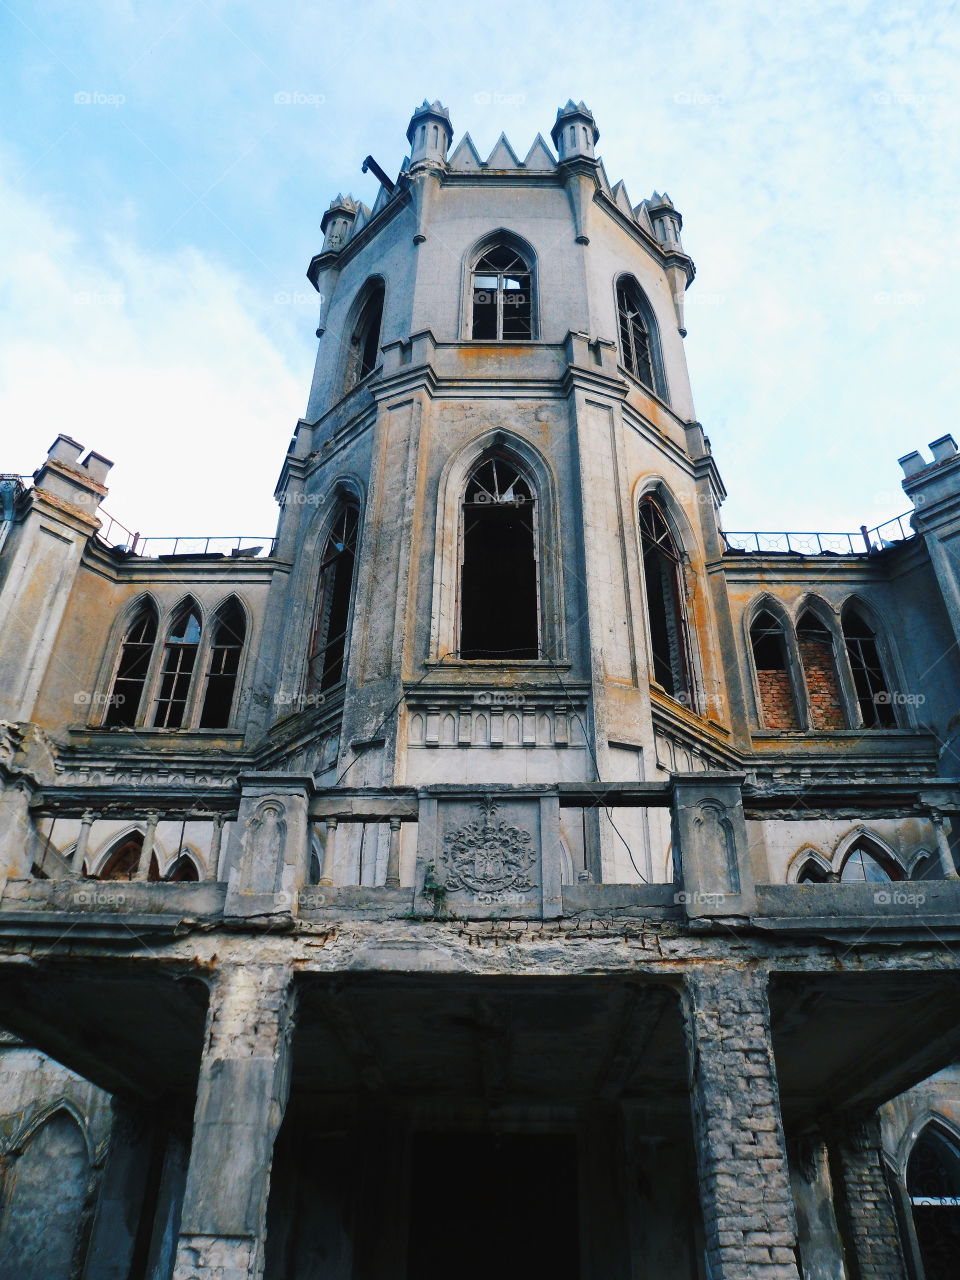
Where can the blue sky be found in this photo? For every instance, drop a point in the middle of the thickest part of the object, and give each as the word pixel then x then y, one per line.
pixel 159 206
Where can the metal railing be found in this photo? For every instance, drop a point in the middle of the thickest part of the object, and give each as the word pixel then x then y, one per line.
pixel 116 534
pixel 861 543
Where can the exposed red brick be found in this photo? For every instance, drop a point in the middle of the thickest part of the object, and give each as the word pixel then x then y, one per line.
pixel 823 687
pixel 776 700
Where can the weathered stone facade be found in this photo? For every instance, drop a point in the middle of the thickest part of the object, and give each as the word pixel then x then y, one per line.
pixel 504 864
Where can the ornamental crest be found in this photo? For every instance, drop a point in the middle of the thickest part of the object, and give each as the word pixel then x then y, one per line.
pixel 488 855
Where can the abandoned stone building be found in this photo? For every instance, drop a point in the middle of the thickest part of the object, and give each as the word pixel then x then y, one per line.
pixel 503 869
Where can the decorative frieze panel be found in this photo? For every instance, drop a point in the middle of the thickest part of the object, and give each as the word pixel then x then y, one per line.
pixel 490 854
pixel 497 719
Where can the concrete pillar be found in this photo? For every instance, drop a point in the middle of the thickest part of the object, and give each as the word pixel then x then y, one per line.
pixel 326 871
pixel 241 1098
pixel 710 835
pixel 267 860
pixel 216 841
pixel 83 839
pixel 393 858
pixel 867 1217
pixel 146 853
pixel 947 867
pixel 749 1221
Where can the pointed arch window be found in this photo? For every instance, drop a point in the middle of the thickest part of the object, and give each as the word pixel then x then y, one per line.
pixel 183 871
pixel 132 668
pixel 933 1185
pixel 124 860
pixel 179 660
pixel 873 689
pixel 229 633
pixel 328 642
pixel 639 346
pixel 817 653
pixel 364 353
pixel 778 708
pixel 499 574
pixel 812 873
pixel 502 296
pixel 865 863
pixel 663 580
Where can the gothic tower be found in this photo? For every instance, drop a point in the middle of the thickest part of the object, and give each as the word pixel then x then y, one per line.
pixel 500 357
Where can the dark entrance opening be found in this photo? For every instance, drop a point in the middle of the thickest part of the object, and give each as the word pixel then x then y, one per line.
pixel 484 1204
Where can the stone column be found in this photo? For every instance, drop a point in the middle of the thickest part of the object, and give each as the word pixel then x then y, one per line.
pixel 326 871
pixel 947 868
pixel 749 1221
pixel 146 851
pixel 83 839
pixel 241 1098
pixel 868 1220
pixel 213 854
pixel 393 858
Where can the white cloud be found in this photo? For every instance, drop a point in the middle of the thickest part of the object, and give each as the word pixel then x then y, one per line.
pixel 154 359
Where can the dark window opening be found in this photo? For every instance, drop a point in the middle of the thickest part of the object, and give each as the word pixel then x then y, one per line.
pixel 812 873
pixel 124 862
pixel 179 659
pixel 183 871
pixel 502 304
pixel 229 631
pixel 499 612
pixel 777 704
pixel 933 1185
pixel 815 642
pixel 635 340
pixel 873 691
pixel 364 351
pixel 328 643
pixel 482 1198
pixel 132 672
pixel 663 580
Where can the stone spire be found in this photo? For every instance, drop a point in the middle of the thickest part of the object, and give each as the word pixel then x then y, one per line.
pixel 575 132
pixel 429 133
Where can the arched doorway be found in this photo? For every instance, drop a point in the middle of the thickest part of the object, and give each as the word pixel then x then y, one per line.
pixel 44 1198
pixel 933 1184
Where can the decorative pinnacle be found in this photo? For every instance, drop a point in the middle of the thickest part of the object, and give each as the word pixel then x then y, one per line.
pixel 574 111
pixel 435 111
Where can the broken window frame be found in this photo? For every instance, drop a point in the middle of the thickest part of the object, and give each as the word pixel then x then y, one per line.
pixel 876 703
pixel 343 538
pixel 117 715
pixel 865 854
pixel 176 680
pixel 227 652
pixel 485 268
pixel 499 481
pixel 638 336
pixel 363 350
pixel 671 671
